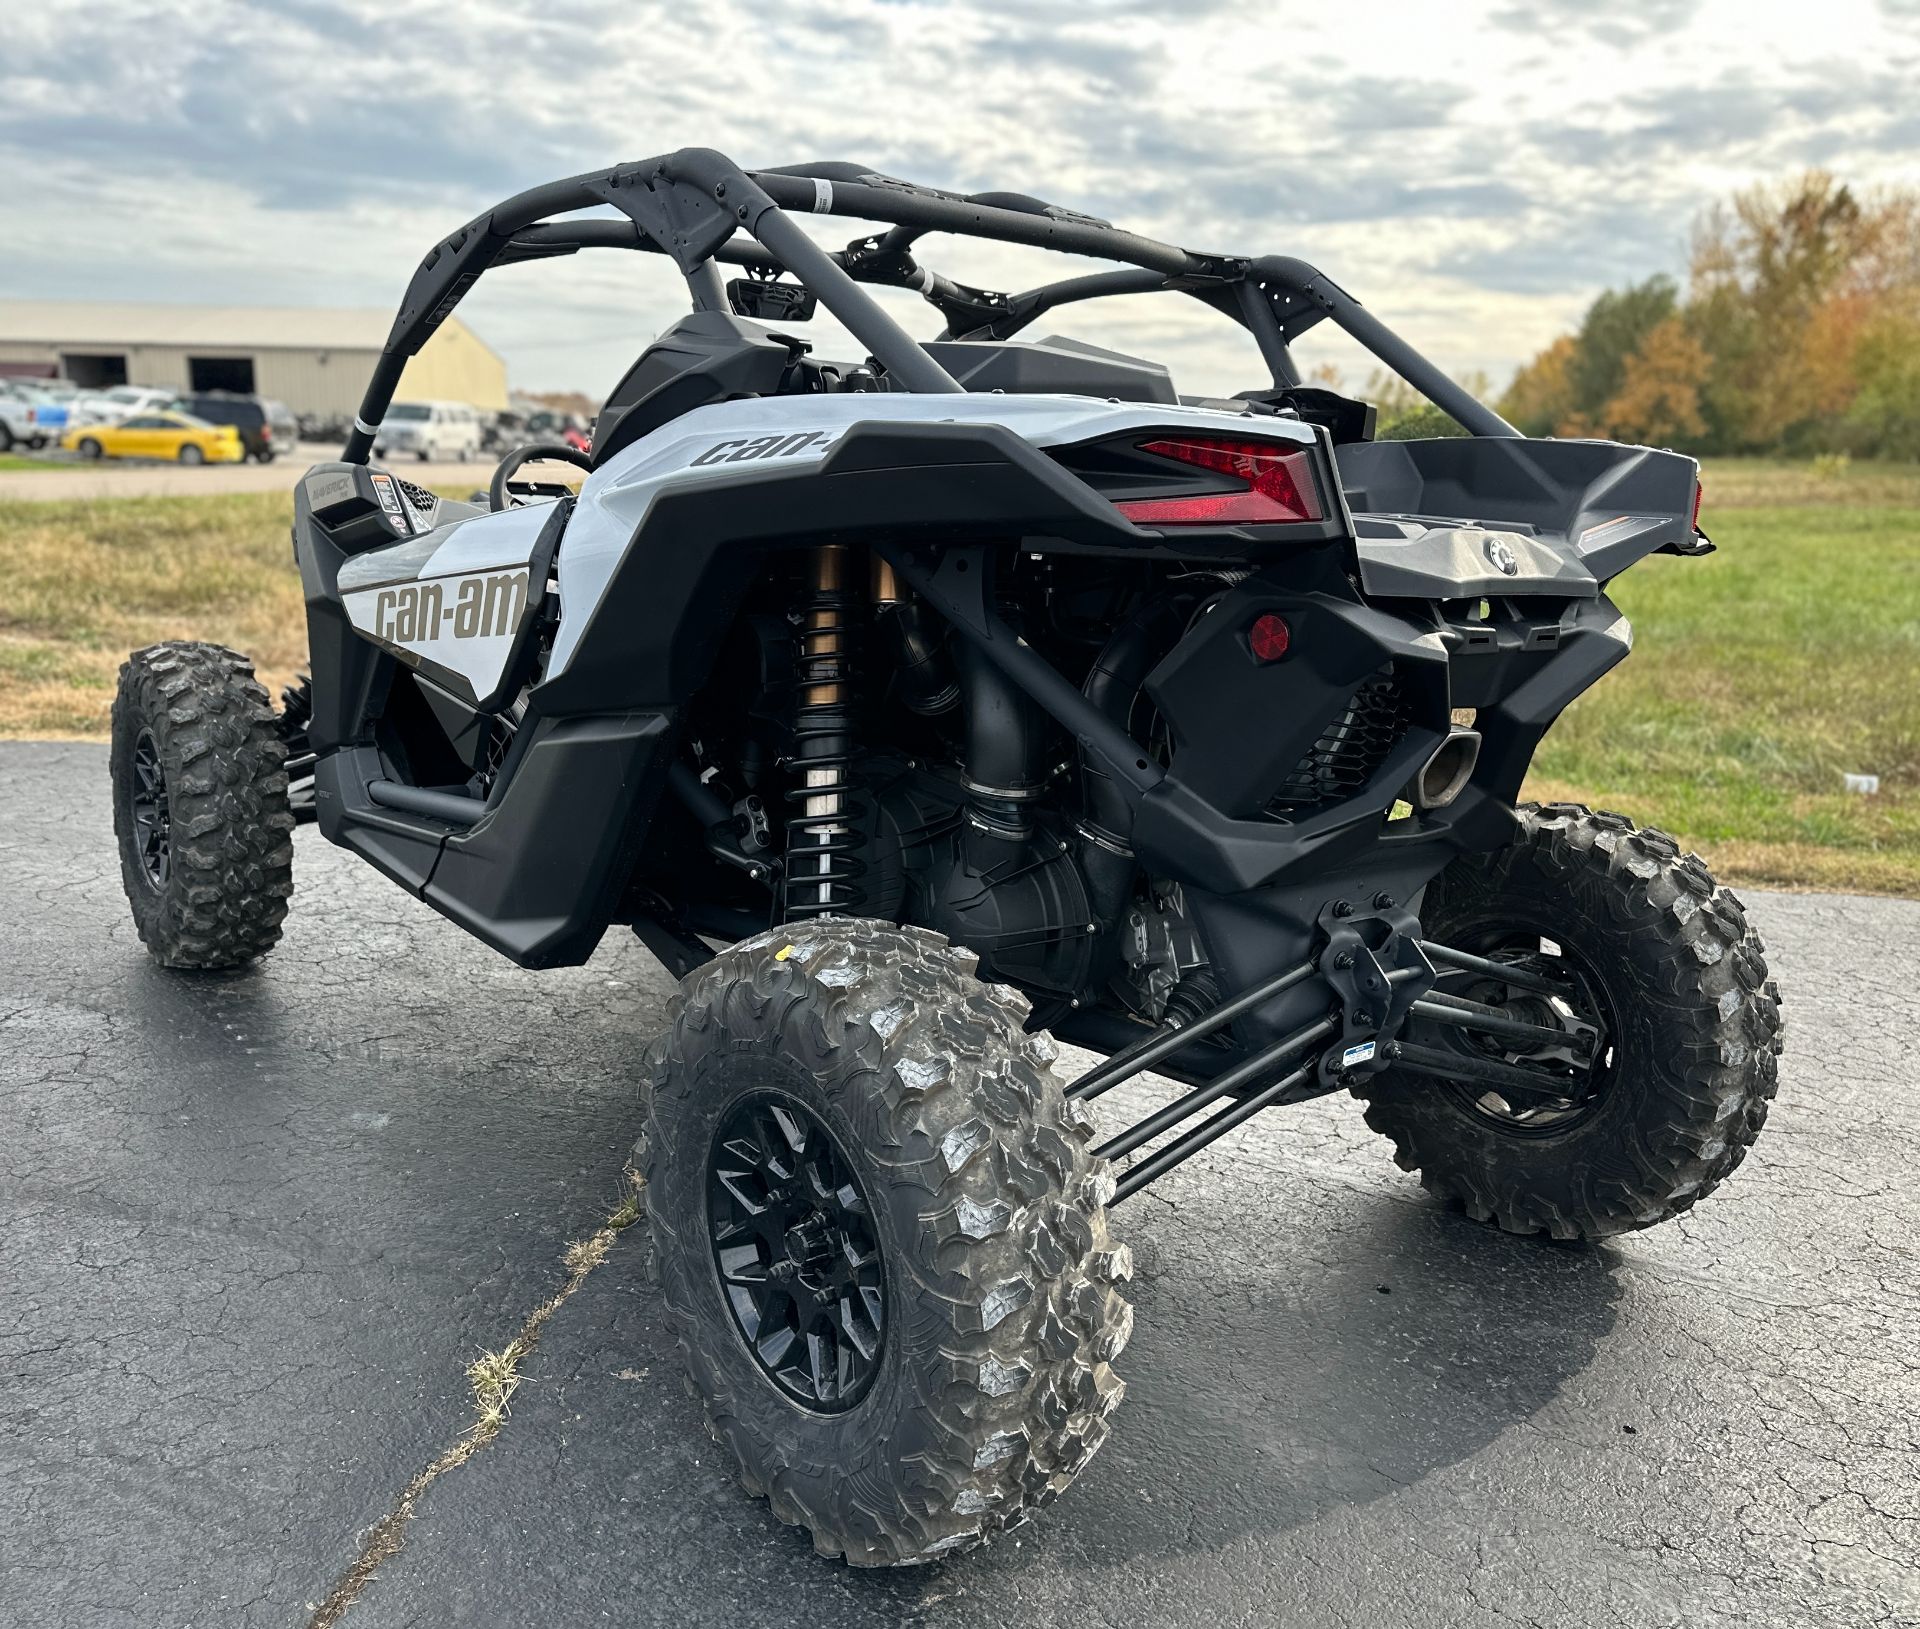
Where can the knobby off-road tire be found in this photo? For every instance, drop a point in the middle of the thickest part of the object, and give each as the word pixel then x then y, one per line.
pixel 993 1382
pixel 1699 1032
pixel 192 723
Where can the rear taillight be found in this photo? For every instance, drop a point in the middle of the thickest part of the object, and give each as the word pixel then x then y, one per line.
pixel 1277 486
pixel 266 432
pixel 1699 492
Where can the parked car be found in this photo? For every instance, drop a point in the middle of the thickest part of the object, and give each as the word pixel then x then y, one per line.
pixel 19 423
pixel 179 436
pixel 503 431
pixel 265 425
pixel 443 431
pixel 49 407
pixel 120 402
pixel 567 428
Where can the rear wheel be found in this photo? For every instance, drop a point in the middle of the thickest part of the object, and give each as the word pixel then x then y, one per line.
pixel 190 454
pixel 1626 947
pixel 200 806
pixel 882 1239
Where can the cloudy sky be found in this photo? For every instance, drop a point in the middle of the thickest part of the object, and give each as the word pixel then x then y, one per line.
pixel 1474 172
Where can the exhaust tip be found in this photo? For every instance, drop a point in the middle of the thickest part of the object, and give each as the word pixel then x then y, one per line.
pixel 1444 776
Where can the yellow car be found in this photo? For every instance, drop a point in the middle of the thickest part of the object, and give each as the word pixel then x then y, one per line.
pixel 179 436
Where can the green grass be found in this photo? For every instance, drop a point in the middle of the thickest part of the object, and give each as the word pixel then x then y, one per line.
pixel 1777 483
pixel 13 461
pixel 1760 674
pixel 88 581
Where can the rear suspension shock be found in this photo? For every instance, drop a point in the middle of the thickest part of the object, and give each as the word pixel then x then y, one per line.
pixel 824 839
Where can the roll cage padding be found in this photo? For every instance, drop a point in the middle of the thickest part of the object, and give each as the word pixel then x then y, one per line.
pixel 691 204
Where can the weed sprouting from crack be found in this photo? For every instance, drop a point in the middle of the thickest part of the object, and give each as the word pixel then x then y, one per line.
pixel 493 1378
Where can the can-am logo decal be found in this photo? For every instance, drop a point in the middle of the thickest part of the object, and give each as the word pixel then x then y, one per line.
pixel 482 608
pixel 741 452
pixel 1501 557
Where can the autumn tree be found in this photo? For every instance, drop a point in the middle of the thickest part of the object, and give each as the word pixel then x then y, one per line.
pixel 1658 402
pixel 1799 331
pixel 1612 330
pixel 1540 399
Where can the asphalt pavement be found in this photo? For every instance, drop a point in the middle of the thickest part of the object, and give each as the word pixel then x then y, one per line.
pixel 254 1226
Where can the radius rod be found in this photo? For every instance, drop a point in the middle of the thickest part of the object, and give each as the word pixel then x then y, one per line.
pixel 1303 1082
pixel 1144 1053
pixel 1185 1108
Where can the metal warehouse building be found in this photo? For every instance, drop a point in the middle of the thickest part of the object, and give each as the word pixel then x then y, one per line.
pixel 316 361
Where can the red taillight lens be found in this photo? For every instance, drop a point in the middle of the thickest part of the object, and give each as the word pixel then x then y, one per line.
pixel 266 432
pixel 1279 486
pixel 1699 492
pixel 1269 637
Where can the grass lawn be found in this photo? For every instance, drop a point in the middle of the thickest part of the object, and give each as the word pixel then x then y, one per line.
pixel 1760 674
pixel 13 461
pixel 88 581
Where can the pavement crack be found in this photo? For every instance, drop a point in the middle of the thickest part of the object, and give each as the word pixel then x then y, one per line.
pixel 493 1378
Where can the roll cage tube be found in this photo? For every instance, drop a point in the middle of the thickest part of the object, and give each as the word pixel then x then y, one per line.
pixel 689 205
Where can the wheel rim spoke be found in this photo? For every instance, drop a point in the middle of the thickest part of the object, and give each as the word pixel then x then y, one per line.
pixel 1583 1065
pixel 795 1252
pixel 148 813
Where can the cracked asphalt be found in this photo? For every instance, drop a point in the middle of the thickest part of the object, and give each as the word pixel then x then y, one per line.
pixel 254 1225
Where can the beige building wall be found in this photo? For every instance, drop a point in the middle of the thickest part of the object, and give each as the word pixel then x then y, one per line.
pixel 453 366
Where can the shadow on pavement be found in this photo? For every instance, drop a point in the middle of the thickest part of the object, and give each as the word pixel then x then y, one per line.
pixel 1278 1384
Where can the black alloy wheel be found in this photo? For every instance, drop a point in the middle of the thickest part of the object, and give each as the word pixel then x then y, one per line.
pixel 1663 1032
pixel 794 1247
pixel 1582 1065
pixel 148 812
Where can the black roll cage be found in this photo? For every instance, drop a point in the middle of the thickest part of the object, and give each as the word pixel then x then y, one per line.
pixel 691 204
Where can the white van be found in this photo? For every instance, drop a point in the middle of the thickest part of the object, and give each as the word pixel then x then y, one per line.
pixel 434 432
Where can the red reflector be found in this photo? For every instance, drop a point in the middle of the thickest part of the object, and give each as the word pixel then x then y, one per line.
pixel 1279 486
pixel 1269 637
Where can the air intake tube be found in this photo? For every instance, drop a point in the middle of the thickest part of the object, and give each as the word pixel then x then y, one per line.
pixel 1106 828
pixel 1003 778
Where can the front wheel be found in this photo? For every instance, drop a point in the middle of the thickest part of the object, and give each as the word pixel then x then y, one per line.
pixel 89 448
pixel 200 806
pixel 882 1239
pixel 1617 941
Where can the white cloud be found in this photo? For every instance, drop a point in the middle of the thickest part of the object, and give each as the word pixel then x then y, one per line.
pixel 1473 174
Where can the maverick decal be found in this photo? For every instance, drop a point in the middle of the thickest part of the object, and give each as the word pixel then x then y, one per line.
pixel 461 608
pixel 744 451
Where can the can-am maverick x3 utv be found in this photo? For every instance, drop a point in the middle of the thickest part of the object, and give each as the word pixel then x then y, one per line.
pixel 968 690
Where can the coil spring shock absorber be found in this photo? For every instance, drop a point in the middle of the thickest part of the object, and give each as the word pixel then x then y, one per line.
pixel 823 833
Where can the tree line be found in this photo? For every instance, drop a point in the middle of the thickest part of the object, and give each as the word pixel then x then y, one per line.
pixel 1797 332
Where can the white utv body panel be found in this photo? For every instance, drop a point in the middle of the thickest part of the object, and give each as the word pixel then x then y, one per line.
pixel 454 597
pixel 717 442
